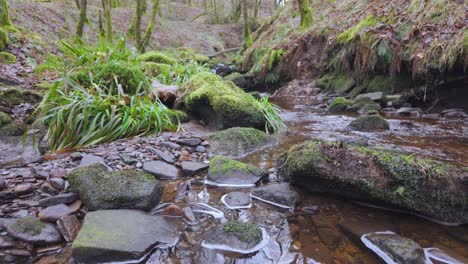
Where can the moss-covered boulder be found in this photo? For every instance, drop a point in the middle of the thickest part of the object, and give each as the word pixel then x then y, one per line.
pixel 12 129
pixel 227 172
pixel 128 76
pixel 239 141
pixel 340 84
pixel 426 187
pixel 11 96
pixel 153 69
pixel 369 107
pixel 157 57
pixel 380 83
pixel 362 104
pixel 209 97
pixel 235 236
pixel 338 105
pixel 32 230
pixel 7 58
pixel 370 123
pixel 4 119
pixel 238 79
pixel 100 189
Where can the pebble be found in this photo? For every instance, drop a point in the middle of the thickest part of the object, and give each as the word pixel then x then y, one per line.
pixel 23 189
pixel 165 156
pixel 57 183
pixel 54 212
pixel 201 149
pixel 47 188
pixel 170 145
pixel 65 198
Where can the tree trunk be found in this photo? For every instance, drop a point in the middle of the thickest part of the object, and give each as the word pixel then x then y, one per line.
pixel 306 13
pixel 247 36
pixel 4 16
pixel 107 4
pixel 81 20
pixel 149 30
pixel 137 19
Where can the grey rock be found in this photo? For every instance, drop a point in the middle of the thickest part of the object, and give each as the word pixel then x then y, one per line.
pixel 57 183
pixel 54 212
pixel 279 193
pixel 406 111
pixel 191 167
pixel 20 213
pixel 235 235
pixel 237 199
pixel 399 248
pixel 170 145
pixel 100 189
pixel 32 230
pixel 23 189
pixel 90 159
pixel 227 172
pixel 18 150
pixel 3 185
pixel 200 149
pixel 192 142
pixel 162 170
pixel 64 198
pixel 189 215
pixel 76 156
pixel 128 159
pixel 166 156
pixel 455 114
pixel 123 235
pixel 376 96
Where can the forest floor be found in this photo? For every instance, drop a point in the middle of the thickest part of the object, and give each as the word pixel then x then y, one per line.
pixel 42 25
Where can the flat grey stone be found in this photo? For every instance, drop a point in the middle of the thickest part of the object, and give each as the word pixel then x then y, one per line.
pixel 193 167
pixel 237 199
pixel 162 170
pixel 226 172
pixel 281 194
pixel 123 235
pixel 55 212
pixel 90 159
pixel 64 198
pixel 192 142
pixel 32 230
pixel 164 155
pixel 399 248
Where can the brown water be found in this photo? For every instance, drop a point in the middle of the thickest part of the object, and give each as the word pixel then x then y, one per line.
pixel 301 237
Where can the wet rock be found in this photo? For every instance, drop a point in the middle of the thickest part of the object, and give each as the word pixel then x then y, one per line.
pixel 409 111
pixel 69 226
pixel 400 249
pixel 18 150
pixel 236 236
pixel 32 230
pixel 191 167
pixel 239 141
pixel 395 100
pixel 192 142
pixel 237 200
pixel 201 149
pixel 3 185
pixel 279 194
pixel 100 189
pixel 63 256
pixel 170 145
pixel 376 96
pixel 23 189
pixel 165 156
pixel 355 229
pixel 367 108
pixel 378 177
pixel 54 212
pixel 64 198
pixel 162 170
pixel 48 188
pixel 123 235
pixel 127 159
pixel 189 215
pixel 90 159
pixel 455 113
pixel 369 123
pixel 173 210
pixel 227 172
pixel 338 105
pixel 57 183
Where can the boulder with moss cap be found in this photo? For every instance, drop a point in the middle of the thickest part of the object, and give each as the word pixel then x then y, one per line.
pixel 100 189
pixel 227 172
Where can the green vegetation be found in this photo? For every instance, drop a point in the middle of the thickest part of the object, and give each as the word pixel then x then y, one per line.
pixel 370 122
pixel 157 57
pixel 220 164
pixel 351 33
pixel 7 58
pixel 29 225
pixel 245 232
pixel 339 104
pixel 3 39
pixel 273 123
pixel 4 119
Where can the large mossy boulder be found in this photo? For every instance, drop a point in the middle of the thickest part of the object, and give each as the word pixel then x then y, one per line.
pixel 239 141
pixel 339 104
pixel 101 189
pixel 121 236
pixel 426 187
pixel 209 97
pixel 231 173
pixel 4 119
pixel 128 76
pixel 340 84
pixel 370 122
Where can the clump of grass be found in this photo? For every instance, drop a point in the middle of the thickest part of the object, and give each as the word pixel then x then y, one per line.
pixel 273 123
pixel 78 117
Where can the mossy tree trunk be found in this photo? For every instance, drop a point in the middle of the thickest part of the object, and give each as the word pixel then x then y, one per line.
pixel 150 28
pixel 136 24
pixel 247 35
pixel 5 21
pixel 306 13
pixel 82 19
pixel 139 12
pixel 107 5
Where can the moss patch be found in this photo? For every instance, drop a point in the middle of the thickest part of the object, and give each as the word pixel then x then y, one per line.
pixel 3 39
pixel 14 96
pixel 28 225
pixel 380 83
pixel 4 119
pixel 157 57
pixel 370 123
pixel 153 69
pixel 7 58
pixel 245 232
pixel 220 164
pixel 353 32
pixel 338 105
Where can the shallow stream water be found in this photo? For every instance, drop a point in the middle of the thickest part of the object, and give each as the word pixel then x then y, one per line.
pixel 304 237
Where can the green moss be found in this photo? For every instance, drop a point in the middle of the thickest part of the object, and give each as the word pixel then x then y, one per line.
pixel 153 69
pixel 338 105
pixel 4 119
pixel 14 96
pixel 352 32
pixel 370 123
pixel 3 39
pixel 129 76
pixel 303 158
pixel 29 225
pixel 275 56
pixel 325 81
pixel 380 83
pixel 220 164
pixel 158 57
pixel 245 232
pixel 12 129
pixel 243 135
pixel 7 58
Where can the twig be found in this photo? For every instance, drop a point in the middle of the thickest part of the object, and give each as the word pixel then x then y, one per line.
pixel 223 51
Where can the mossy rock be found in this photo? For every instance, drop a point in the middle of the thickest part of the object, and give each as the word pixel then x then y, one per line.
pixel 227 172
pixel 129 76
pixel 157 57
pixel 369 108
pixel 237 78
pixel 239 141
pixel 100 189
pixel 190 55
pixel 207 95
pixel 325 81
pixel 12 129
pixel 32 230
pixel 380 83
pixel 427 187
pixel 3 39
pixel 244 231
pixel 338 105
pixel 7 58
pixel 359 103
pixel 153 69
pixel 11 96
pixel 4 119
pixel 342 84
pixel 370 123
pixel 358 89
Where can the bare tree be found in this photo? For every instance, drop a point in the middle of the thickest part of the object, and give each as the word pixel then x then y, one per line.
pixel 247 35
